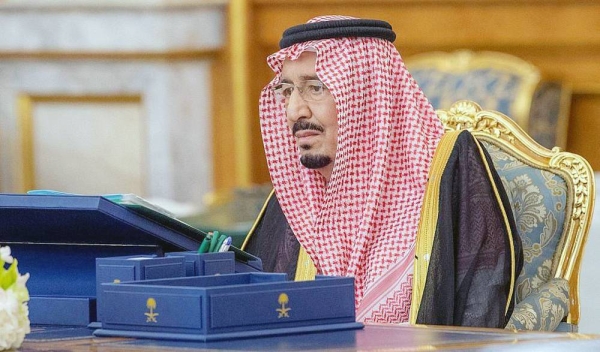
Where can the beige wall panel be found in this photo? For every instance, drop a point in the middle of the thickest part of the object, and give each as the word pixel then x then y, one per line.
pixel 161 52
pixel 176 99
pixel 88 148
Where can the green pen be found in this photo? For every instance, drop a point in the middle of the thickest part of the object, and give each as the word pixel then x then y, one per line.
pixel 205 245
pixel 213 241
pixel 220 243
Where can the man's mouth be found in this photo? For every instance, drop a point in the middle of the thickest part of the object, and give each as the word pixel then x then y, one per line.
pixel 306 138
pixel 306 133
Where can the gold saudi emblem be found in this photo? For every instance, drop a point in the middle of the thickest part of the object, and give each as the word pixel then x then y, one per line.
pixel 283 311
pixel 151 316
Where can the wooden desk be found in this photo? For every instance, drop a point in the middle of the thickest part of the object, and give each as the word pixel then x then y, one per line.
pixel 371 338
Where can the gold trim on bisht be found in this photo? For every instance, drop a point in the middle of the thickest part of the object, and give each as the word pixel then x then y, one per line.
pixel 513 262
pixel 428 220
pixel 258 219
pixel 305 270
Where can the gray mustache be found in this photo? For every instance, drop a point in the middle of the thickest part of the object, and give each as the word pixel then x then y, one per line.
pixel 305 125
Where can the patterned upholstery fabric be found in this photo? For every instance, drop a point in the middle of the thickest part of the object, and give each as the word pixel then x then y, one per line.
pixel 549 114
pixel 543 310
pixel 500 82
pixel 494 89
pixel 538 199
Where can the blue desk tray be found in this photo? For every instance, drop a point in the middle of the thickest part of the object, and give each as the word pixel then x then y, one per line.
pixel 57 238
pixel 226 306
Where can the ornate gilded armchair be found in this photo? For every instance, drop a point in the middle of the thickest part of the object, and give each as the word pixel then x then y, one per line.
pixel 552 198
pixel 500 82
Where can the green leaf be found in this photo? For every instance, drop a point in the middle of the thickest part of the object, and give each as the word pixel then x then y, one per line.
pixel 9 277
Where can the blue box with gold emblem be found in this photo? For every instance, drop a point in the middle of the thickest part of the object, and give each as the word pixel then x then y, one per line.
pixel 57 239
pixel 207 308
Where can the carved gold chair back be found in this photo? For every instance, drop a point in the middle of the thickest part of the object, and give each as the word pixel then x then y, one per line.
pixel 552 198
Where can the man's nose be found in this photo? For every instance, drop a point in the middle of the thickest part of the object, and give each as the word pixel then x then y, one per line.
pixel 297 107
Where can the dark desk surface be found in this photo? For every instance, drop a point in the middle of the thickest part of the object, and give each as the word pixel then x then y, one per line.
pixel 371 338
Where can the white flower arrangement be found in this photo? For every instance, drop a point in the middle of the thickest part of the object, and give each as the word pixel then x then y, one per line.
pixel 14 313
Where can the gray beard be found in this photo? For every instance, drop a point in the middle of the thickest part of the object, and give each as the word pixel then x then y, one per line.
pixel 315 161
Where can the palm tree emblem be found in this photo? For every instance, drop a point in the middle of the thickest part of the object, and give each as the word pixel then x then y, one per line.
pixel 283 311
pixel 151 316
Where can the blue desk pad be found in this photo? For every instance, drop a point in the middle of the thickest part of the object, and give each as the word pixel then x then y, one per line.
pixel 40 333
pixel 57 238
pixel 230 306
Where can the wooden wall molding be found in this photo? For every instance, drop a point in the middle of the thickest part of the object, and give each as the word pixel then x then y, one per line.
pixel 561 37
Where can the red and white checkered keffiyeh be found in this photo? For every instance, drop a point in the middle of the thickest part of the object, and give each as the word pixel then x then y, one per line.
pixel 363 222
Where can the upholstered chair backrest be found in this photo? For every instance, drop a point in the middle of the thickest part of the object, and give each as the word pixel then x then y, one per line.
pixel 500 82
pixel 552 197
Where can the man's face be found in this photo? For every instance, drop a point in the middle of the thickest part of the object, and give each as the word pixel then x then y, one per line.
pixel 311 115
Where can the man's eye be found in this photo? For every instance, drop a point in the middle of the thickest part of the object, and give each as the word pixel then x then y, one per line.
pixel 287 91
pixel 316 88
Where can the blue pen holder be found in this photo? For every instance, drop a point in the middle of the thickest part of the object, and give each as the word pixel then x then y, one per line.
pixel 201 264
pixel 135 268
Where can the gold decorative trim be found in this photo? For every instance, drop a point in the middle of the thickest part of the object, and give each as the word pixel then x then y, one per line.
pixel 562 128
pixel 239 47
pixel 25 105
pixel 25 126
pixel 500 130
